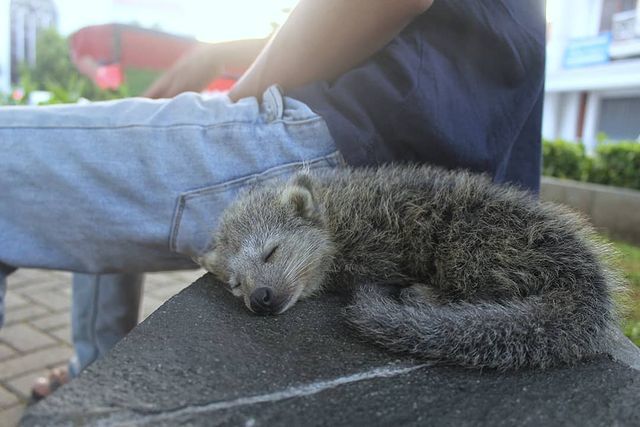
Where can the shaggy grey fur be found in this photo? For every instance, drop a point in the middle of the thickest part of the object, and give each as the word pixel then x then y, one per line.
pixel 489 276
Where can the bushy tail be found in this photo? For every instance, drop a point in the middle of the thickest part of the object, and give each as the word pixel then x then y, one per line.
pixel 530 332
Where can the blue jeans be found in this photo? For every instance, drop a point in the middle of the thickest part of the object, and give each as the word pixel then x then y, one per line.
pixel 104 309
pixel 138 185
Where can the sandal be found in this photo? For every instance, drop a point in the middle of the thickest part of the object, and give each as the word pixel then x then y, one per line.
pixel 45 386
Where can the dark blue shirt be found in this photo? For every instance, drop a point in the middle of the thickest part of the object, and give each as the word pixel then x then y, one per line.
pixel 461 87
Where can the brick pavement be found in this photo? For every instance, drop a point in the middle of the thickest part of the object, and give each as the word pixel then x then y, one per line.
pixel 36 336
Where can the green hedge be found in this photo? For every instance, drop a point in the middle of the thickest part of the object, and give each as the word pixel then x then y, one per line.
pixel 563 159
pixel 615 163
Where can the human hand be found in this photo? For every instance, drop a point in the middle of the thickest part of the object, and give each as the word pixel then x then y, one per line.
pixel 192 72
pixel 198 67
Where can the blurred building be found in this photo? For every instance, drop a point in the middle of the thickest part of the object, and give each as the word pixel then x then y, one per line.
pixel 593 70
pixel 28 17
pixel 5 46
pixel 21 20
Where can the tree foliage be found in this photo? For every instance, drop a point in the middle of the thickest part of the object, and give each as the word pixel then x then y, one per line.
pixel 55 73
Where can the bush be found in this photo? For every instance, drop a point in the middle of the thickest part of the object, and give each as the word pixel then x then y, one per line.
pixel 55 73
pixel 563 159
pixel 617 164
pixel 614 163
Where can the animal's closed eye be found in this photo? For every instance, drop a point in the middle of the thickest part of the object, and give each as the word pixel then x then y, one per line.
pixel 234 285
pixel 270 254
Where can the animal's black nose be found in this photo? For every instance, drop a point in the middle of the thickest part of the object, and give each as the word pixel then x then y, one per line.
pixel 262 301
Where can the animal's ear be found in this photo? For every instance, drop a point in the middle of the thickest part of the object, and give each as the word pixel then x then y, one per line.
pixel 300 195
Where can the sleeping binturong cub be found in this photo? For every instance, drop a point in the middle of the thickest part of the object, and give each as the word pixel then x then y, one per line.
pixel 486 275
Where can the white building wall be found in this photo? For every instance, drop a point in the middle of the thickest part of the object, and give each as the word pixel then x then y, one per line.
pixel 561 116
pixel 550 115
pixel 5 46
pixel 590 128
pixel 569 20
pixel 569 113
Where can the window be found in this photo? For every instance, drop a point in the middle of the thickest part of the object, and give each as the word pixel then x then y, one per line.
pixel 610 8
pixel 619 118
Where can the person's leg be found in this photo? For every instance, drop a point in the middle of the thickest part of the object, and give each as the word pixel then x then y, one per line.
pixel 105 308
pixel 137 185
pixel 5 270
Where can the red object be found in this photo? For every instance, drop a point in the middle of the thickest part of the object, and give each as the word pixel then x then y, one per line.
pixel 221 85
pixel 129 46
pixel 17 94
pixel 104 52
pixel 226 81
pixel 109 76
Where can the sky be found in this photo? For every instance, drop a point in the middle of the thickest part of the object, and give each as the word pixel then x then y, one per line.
pixel 206 20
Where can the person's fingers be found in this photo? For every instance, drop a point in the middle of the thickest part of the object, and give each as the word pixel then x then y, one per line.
pixel 157 88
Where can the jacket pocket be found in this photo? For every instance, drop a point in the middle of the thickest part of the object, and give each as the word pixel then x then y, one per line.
pixel 198 211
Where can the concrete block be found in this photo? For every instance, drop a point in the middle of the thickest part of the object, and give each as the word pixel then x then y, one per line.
pixel 202 359
pixel 613 210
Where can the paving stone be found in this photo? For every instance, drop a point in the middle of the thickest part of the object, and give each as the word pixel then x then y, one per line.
pixel 202 359
pixel 25 278
pixel 10 417
pixel 22 384
pixel 14 300
pixel 6 351
pixel 54 300
pixel 6 398
pixel 28 289
pixel 39 301
pixel 28 292
pixel 165 292
pixel 149 305
pixel 24 338
pixel 187 276
pixel 63 334
pixel 183 278
pixel 52 321
pixel 25 313
pixel 40 359
pixel 156 280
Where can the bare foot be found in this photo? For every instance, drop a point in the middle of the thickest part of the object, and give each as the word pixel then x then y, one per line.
pixel 44 386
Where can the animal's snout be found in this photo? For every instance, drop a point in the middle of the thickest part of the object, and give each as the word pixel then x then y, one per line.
pixel 264 301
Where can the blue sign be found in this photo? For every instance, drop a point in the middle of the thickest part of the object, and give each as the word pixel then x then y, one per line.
pixel 587 51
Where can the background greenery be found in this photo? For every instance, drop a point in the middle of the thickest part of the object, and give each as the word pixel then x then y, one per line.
pixel 614 163
pixel 54 72
pixel 629 262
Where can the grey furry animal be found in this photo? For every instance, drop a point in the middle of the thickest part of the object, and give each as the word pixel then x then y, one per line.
pixel 488 276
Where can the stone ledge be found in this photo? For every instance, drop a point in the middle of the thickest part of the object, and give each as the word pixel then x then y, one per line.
pixel 613 209
pixel 201 359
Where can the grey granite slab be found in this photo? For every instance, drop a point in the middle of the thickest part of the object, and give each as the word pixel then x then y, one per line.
pixel 202 359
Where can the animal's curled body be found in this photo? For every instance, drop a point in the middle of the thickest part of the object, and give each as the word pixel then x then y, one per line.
pixel 497 278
